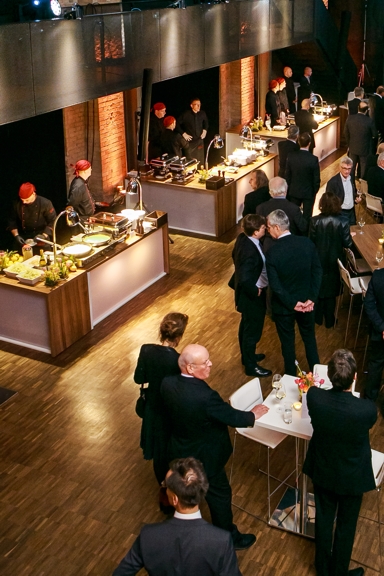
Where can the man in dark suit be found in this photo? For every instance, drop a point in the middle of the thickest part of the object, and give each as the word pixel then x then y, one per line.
pixel 374 308
pixel 294 275
pixel 306 87
pixel 360 134
pixel 199 420
pixel 250 283
pixel 376 110
pixel 287 147
pixel 343 185
pixel 372 160
pixel 297 223
pixel 339 463
pixel 375 178
pixel 290 88
pixel 306 122
pixel 302 174
pixel 353 105
pixel 185 544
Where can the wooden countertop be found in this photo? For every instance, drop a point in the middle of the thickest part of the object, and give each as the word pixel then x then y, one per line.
pixel 282 133
pixel 368 244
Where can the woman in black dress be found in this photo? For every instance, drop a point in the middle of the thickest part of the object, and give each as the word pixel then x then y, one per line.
pixel 330 235
pixel 156 361
pixel 259 182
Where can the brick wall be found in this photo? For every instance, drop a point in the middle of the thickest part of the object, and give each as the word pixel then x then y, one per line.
pixel 112 141
pixel 237 81
pixel 247 89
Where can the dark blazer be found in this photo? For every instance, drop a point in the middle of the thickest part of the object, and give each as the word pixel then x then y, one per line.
pixel 254 199
pixel 370 162
pixel 339 454
pixel 305 88
pixel 199 420
pixel 181 547
pixel 298 225
pixel 353 105
pixel 376 111
pixel 375 180
pixel 330 235
pixel 291 94
pixel 360 131
pixel 272 106
pixel 285 147
pixel 306 123
pixel 248 267
pixel 302 174
pixel 294 273
pixel 335 185
pixel 374 304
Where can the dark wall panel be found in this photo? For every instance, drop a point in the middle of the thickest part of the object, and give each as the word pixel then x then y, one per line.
pixel 221 34
pixel 254 28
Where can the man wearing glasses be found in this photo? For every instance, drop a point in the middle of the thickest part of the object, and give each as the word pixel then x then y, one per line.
pixel 343 185
pixel 199 420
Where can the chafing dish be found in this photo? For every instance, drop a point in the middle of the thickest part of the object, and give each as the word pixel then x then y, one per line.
pixel 183 170
pixel 161 165
pixel 116 224
pixel 321 110
pixel 252 141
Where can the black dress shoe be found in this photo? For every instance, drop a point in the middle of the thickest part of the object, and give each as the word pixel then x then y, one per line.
pixel 258 371
pixel 243 541
pixel 356 572
pixel 259 357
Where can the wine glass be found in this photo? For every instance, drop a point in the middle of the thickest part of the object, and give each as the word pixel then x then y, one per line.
pixel 280 395
pixel 379 256
pixel 276 382
pixel 361 223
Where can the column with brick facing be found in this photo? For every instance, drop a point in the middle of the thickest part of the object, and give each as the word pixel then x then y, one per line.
pixel 236 93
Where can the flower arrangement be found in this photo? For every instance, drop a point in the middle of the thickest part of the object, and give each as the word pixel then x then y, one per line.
pixel 305 381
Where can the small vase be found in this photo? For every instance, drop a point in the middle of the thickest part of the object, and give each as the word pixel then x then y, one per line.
pixel 304 406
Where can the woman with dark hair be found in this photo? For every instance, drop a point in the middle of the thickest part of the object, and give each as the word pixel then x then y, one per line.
pixel 330 236
pixel 156 361
pixel 259 182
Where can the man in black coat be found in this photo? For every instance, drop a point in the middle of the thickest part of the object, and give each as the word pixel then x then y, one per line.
pixel 302 174
pixel 372 160
pixel 360 134
pixel 294 275
pixel 199 420
pixel 193 126
pixel 376 110
pixel 287 147
pixel 339 463
pixel 343 185
pixel 250 283
pixel 306 87
pixel 353 105
pixel 259 182
pixel 374 308
pixel 306 122
pixel 156 128
pixel 185 544
pixel 297 223
pixel 290 88
pixel 375 178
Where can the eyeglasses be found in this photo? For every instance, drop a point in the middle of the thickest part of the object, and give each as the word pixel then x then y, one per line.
pixel 349 168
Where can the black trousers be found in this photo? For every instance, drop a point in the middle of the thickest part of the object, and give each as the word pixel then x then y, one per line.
pixel 375 369
pixel 251 329
pixel 219 500
pixel 360 162
pixel 333 552
pixel 325 308
pixel 196 150
pixel 285 325
pixel 307 204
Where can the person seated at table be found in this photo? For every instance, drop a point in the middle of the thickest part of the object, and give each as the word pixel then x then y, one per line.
pixel 375 178
pixel 259 194
pixel 339 463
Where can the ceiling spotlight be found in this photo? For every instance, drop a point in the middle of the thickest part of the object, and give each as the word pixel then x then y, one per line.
pixel 56 7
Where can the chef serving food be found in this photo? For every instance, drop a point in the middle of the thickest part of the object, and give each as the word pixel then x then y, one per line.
pixel 79 195
pixel 32 216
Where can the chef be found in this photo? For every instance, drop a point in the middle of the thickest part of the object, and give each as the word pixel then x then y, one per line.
pixel 193 126
pixel 32 216
pixel 79 196
pixel 172 142
pixel 156 128
pixel 272 103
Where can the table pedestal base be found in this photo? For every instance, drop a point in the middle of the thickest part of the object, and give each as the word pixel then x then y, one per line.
pixel 287 514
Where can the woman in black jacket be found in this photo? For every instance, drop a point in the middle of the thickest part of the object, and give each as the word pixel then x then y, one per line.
pixel 330 235
pixel 156 361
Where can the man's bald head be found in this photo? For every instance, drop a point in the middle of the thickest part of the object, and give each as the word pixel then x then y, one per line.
pixel 194 361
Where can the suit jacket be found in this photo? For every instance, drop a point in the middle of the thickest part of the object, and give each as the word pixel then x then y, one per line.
pixel 370 162
pixel 285 147
pixel 253 199
pixel 302 174
pixel 374 304
pixel 294 273
pixel 353 105
pixel 375 180
pixel 376 111
pixel 339 454
pixel 297 223
pixel 181 548
pixel 335 185
pixel 272 106
pixel 305 88
pixel 248 267
pixel 306 123
pixel 291 93
pixel 199 420
pixel 359 131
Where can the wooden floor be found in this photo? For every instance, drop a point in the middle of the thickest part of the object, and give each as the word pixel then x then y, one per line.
pixel 74 488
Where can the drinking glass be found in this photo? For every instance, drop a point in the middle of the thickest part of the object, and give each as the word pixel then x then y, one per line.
pixel 361 223
pixel 287 416
pixel 379 256
pixel 276 382
pixel 280 395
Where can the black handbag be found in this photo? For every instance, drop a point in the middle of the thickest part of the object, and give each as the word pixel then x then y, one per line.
pixel 140 403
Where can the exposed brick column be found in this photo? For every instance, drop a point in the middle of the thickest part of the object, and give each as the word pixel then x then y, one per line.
pixel 237 81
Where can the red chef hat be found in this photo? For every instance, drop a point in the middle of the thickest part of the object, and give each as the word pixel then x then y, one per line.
pixel 26 190
pixel 273 84
pixel 168 120
pixel 159 106
pixel 81 165
pixel 280 80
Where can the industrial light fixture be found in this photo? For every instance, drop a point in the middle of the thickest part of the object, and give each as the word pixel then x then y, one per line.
pixel 56 7
pixel 218 143
pixel 134 187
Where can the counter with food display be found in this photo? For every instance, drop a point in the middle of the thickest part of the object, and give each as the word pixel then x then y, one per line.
pixel 327 137
pixel 50 319
pixel 193 209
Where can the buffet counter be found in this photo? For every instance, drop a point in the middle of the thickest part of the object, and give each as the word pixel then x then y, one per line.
pixel 327 138
pixel 51 319
pixel 194 210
